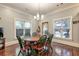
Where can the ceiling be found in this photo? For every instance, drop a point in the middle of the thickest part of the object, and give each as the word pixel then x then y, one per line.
pixel 34 8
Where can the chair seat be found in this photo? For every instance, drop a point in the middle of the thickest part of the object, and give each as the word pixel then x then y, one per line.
pixel 37 47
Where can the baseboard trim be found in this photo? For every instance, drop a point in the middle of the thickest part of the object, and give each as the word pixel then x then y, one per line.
pixel 11 43
pixel 54 40
pixel 66 42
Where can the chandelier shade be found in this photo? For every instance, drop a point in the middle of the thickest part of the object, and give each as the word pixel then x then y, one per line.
pixel 39 16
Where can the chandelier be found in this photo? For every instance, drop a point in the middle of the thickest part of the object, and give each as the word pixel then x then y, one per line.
pixel 39 16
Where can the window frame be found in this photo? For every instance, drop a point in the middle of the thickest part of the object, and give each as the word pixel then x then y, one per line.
pixel 23 20
pixel 70 18
pixel 45 23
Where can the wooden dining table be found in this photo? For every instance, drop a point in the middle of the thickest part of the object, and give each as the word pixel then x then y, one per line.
pixel 29 41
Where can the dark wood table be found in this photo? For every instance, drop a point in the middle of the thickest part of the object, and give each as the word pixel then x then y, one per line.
pixel 32 39
pixel 29 41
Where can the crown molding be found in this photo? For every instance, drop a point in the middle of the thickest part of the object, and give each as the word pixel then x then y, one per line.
pixel 16 10
pixel 62 9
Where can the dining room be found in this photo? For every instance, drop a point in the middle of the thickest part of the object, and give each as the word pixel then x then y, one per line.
pixel 39 29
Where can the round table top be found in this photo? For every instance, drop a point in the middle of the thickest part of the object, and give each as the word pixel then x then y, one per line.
pixel 32 39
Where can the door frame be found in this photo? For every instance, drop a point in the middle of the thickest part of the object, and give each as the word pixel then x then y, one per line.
pixel 43 25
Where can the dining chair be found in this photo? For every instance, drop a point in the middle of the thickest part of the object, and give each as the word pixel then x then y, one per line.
pixel 47 46
pixel 22 48
pixel 39 44
pixel 49 41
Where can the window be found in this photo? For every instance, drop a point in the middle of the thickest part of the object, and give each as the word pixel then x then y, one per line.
pixel 27 29
pixel 23 28
pixel 45 28
pixel 63 28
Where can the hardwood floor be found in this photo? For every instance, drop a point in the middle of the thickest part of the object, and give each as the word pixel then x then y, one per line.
pixel 64 50
pixel 58 50
pixel 9 51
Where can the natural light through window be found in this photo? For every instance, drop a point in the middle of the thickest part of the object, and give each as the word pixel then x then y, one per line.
pixel 27 25
pixel 23 28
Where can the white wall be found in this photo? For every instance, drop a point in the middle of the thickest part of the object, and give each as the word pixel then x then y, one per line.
pixel 65 13
pixel 8 17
